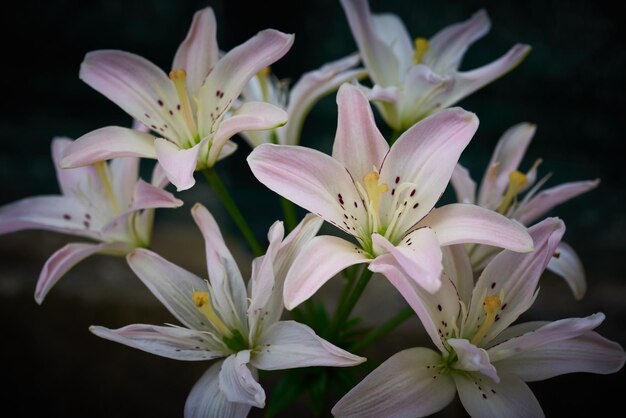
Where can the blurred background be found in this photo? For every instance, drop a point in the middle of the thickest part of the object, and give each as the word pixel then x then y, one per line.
pixel 571 86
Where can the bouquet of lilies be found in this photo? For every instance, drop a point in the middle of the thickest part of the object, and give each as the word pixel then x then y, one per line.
pixel 466 270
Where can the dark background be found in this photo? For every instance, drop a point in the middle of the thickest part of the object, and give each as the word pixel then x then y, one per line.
pixel 571 86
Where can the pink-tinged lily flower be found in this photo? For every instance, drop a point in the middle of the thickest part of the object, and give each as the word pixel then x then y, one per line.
pixel 414 79
pixel 481 356
pixel 189 112
pixel 103 202
pixel 500 189
pixel 220 319
pixel 382 196
pixel 298 100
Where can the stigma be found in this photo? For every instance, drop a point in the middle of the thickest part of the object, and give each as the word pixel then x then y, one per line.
pixel 421 46
pixel 202 300
pixel 491 304
pixel 517 180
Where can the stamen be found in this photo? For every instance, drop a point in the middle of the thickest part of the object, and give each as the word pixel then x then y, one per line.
pixel 421 46
pixel 517 180
pixel 492 306
pixel 264 83
pixel 179 77
pixel 203 302
pixel 103 175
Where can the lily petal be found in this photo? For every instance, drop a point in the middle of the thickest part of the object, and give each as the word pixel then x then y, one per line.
pixel 107 143
pixel 230 74
pixel 569 266
pixel 172 342
pixel 457 266
pixel 324 188
pixel 239 382
pixel 426 155
pixel 319 261
pixel 251 116
pixel 459 223
pixel 124 175
pixel 544 201
pixel 206 399
pixel 358 145
pixel 179 164
pixel 289 344
pixel 464 186
pixel 473 359
pixel 68 179
pixel 147 196
pixel 67 257
pixel 468 82
pixel 402 386
pixel 510 398
pixel 135 84
pixel 226 280
pixel 172 285
pixel 198 53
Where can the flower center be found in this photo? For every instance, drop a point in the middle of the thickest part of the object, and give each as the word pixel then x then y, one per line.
pixel 179 78
pixel 203 303
pixel 421 46
pixel 517 180
pixel 491 304
pixel 374 189
pixel 102 168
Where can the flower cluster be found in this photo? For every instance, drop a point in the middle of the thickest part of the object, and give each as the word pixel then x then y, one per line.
pixel 466 270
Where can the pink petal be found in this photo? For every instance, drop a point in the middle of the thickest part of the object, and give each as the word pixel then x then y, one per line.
pixel 472 359
pixel 403 386
pixel 232 72
pixel 510 398
pixel 359 145
pixel 310 179
pixel 318 262
pixel 251 116
pixel 106 143
pixel 424 89
pixel 124 173
pixel 176 343
pixel 67 257
pixel 147 196
pixel 239 383
pixel 179 164
pixel 311 87
pixel 546 200
pixel 289 344
pixel 457 266
pixel 135 84
pixel 464 186
pixel 426 155
pixel 459 223
pixel 206 399
pixel 198 53
pixel 448 46
pixel 69 178
pixel 568 265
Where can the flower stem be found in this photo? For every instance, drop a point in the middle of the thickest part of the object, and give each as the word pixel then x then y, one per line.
pixel 344 309
pixel 289 213
pixel 384 329
pixel 231 207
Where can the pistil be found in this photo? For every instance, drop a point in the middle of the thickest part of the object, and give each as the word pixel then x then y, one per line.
pixel 517 180
pixel 492 306
pixel 203 302
pixel 374 190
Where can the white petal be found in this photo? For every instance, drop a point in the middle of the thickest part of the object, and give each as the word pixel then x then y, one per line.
pixel 179 164
pixel 289 344
pixel 408 384
pixel 457 266
pixel 68 178
pixel 472 359
pixel 239 383
pixel 464 186
pixel 206 399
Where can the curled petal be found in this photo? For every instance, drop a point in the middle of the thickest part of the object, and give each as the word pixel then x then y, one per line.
pixel 179 164
pixel 566 264
pixel 473 359
pixel 239 382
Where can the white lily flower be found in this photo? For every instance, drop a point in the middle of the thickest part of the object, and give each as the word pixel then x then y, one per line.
pixel 415 79
pixel 481 356
pixel 103 202
pixel 500 190
pixel 188 111
pixel 221 320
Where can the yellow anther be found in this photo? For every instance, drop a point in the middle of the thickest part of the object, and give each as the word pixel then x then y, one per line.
pixel 265 71
pixel 179 78
pixel 374 189
pixel 203 301
pixel 492 306
pixel 421 46
pixel 517 180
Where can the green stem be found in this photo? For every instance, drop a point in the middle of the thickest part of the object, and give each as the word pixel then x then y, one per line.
pixel 289 213
pixel 343 311
pixel 231 207
pixel 395 134
pixel 384 329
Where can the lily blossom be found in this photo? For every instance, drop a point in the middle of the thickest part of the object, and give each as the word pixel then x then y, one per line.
pixel 104 202
pixel 382 196
pixel 500 190
pixel 481 356
pixel 298 100
pixel 221 320
pixel 189 111
pixel 415 79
